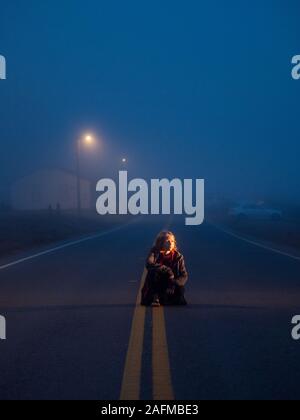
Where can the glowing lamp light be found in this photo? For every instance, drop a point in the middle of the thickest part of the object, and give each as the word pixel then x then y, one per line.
pixel 89 139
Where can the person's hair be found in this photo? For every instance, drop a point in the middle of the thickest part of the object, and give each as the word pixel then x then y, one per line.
pixel 161 237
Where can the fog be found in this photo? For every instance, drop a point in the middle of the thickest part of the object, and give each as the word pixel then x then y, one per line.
pixel 186 90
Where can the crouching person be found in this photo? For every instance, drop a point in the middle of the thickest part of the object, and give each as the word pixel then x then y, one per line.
pixel 167 275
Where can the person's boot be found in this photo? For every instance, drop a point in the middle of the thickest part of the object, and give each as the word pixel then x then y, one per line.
pixel 182 301
pixel 156 302
pixel 180 298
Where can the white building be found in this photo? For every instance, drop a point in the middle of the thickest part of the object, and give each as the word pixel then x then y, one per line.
pixel 52 187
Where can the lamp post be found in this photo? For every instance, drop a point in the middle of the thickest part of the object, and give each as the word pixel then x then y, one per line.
pixel 86 140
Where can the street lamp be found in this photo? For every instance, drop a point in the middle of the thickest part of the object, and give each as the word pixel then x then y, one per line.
pixel 88 141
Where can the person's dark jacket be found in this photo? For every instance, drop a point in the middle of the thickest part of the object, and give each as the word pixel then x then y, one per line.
pixel 178 266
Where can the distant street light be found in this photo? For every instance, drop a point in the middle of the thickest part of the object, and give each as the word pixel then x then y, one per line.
pixel 88 140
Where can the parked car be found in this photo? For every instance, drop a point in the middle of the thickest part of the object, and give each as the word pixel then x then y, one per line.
pixel 255 211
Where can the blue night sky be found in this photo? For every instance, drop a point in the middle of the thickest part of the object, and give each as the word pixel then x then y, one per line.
pixel 198 89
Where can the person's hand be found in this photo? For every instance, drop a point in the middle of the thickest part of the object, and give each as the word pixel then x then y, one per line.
pixel 168 271
pixel 171 291
pixel 171 275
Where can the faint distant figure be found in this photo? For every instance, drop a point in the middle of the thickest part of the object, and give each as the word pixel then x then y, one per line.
pixel 167 274
pixel 58 209
pixel 50 209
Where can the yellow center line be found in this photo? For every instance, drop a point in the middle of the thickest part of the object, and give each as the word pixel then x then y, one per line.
pixel 131 383
pixel 161 372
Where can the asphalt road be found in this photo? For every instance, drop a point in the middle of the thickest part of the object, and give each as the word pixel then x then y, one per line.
pixel 70 317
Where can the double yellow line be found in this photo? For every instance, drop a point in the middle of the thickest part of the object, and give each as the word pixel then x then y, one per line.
pixel 161 373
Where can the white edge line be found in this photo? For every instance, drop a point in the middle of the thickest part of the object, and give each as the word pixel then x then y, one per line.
pixel 66 245
pixel 258 244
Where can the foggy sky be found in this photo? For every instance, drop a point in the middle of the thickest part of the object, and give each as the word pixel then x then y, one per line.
pixel 198 89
